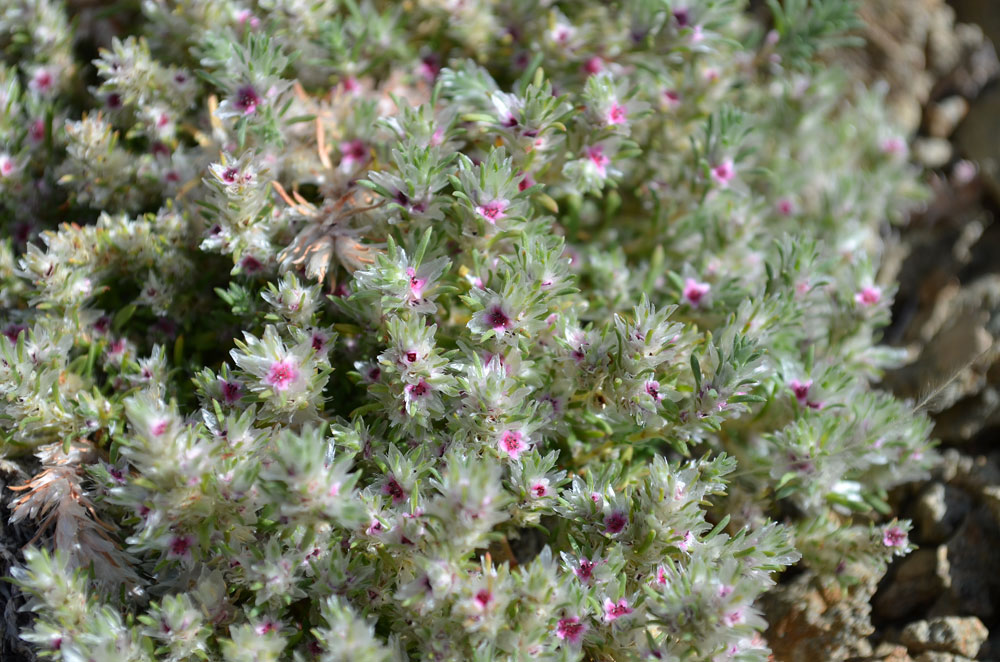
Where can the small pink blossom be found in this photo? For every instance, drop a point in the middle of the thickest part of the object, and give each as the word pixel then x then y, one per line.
pixel 894 537
pixel 266 627
pixel 671 98
pixel 801 390
pixel 353 153
pixel 686 542
pixel 570 629
pixel 615 522
pixel 661 576
pixel 653 389
pixel 36 131
pixel 615 610
pixel 42 81
pixel 159 427
pixel 416 284
pixel 893 146
pixel 483 598
pixel 393 489
pixel 694 292
pixel 247 100
pixel 596 155
pixel 418 390
pixel 785 207
pixel 526 182
pixel 733 617
pixel 246 18
pixel 585 571
pixel 616 114
pixel 513 444
pixel 540 489
pixel 180 547
pixel 593 65
pixel 282 374
pixel 7 165
pixel 868 296
pixel 374 527
pixel 497 318
pixel 724 172
pixel 725 591
pixel 493 211
pixel 250 264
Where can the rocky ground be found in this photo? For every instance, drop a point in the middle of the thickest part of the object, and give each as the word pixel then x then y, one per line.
pixel 941 603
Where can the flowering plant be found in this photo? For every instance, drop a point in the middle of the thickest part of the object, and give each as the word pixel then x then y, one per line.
pixel 359 300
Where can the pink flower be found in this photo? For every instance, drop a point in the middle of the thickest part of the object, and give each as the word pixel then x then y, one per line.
pixel 36 131
pixel 526 182
pixel 42 81
pixel 868 296
pixel 245 17
pixel 894 537
pixel 615 522
pixel 483 599
pixel 671 98
pixel 585 572
pixel 512 443
pixel 733 618
pixel 661 576
pixel 159 427
pixel 267 626
pixel 694 292
pixel 893 146
pixel 541 489
pixel 353 152
pixel 393 489
pixel 282 374
pixel 418 390
pixel 247 99
pixel 653 389
pixel 180 547
pixel 615 610
pixel 723 173
pixel 570 629
pixel 785 207
pixel 801 390
pixel 598 158
pixel 616 114
pixel 7 165
pixel 497 318
pixel 684 544
pixel 493 210
pixel 593 65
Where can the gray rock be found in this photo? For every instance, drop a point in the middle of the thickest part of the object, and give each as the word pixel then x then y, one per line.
pixel 932 152
pixel 939 510
pixel 933 656
pixel 944 116
pixel 921 579
pixel 951 634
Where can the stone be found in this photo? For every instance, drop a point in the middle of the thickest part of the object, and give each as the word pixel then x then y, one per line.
pixel 978 139
pixel 890 652
pixel 961 635
pixel 932 152
pixel 919 581
pixel 808 623
pixel 934 656
pixel 944 116
pixel 939 510
pixel 970 588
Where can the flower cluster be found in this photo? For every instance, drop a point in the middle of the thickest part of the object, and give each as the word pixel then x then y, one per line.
pixel 484 330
